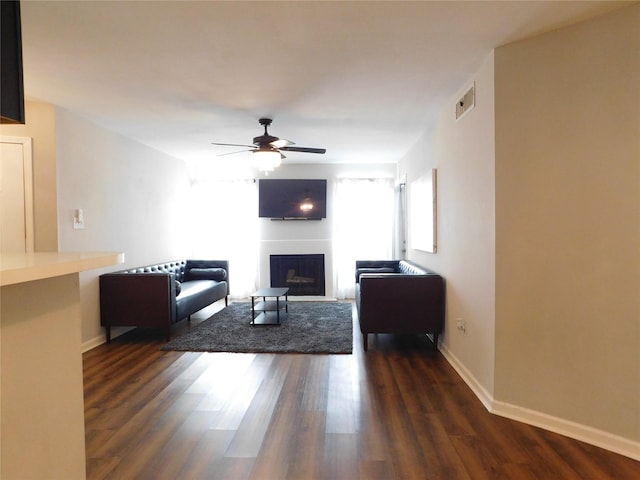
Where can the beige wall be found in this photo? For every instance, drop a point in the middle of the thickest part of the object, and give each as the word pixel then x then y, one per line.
pixel 133 197
pixel 40 126
pixel 568 224
pixel 462 151
pixel 135 200
pixel 539 230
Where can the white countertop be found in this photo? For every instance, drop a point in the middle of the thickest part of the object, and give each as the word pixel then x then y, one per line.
pixel 26 267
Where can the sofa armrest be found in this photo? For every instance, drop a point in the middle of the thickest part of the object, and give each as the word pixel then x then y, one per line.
pixel 397 303
pixel 137 299
pixel 375 266
pixel 376 263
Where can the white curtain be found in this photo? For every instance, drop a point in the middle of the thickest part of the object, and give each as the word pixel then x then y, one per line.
pixel 400 225
pixel 363 227
pixel 225 219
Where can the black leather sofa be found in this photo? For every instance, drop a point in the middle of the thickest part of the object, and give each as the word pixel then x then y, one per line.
pixel 397 296
pixel 160 295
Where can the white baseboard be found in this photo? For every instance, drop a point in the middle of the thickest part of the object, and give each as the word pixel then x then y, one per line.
pixel 93 343
pixel 583 433
pixel 483 395
pixel 577 431
pixel 100 339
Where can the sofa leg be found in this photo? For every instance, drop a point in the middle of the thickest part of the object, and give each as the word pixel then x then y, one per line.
pixel 365 341
pixel 435 341
pixel 108 333
pixel 226 301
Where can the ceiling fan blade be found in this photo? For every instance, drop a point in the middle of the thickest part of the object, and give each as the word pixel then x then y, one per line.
pixel 281 142
pixel 238 151
pixel 304 149
pixel 232 145
pixel 269 144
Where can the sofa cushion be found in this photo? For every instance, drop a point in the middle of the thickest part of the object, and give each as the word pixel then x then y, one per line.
pixel 197 294
pixel 217 274
pixel 195 287
pixel 178 288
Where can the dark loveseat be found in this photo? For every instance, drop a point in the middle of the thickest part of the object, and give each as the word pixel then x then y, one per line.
pixel 397 296
pixel 160 295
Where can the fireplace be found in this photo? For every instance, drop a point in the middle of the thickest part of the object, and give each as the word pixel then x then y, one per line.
pixel 302 274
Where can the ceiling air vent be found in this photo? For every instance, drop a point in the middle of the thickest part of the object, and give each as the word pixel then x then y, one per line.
pixel 467 102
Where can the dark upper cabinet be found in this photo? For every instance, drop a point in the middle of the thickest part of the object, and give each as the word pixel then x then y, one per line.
pixel 11 85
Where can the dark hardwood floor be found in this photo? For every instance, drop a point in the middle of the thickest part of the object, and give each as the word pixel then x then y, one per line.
pixel 399 411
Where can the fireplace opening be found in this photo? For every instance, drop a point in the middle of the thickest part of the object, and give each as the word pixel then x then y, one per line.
pixel 302 274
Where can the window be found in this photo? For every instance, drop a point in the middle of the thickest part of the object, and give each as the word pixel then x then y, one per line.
pixel 363 227
pixel 226 228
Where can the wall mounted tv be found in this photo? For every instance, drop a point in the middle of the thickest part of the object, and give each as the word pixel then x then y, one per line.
pixel 289 199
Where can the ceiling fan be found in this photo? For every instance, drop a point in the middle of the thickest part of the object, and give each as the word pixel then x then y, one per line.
pixel 267 149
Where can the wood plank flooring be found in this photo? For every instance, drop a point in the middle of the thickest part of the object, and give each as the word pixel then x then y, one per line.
pixel 397 412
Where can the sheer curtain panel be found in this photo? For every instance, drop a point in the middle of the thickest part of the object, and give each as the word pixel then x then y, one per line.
pixel 400 224
pixel 363 227
pixel 226 228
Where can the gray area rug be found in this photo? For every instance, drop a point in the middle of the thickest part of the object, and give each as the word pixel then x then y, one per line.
pixel 310 327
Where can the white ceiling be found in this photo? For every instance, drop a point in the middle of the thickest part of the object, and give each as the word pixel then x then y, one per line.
pixel 362 79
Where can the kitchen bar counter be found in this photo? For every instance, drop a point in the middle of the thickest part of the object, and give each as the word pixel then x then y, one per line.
pixel 18 268
pixel 41 391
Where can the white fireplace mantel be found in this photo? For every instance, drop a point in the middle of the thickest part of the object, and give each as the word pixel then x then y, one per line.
pixel 298 247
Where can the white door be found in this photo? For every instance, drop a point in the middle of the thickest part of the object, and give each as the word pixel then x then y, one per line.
pixel 16 195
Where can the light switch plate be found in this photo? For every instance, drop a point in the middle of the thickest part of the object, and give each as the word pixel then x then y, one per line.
pixel 78 219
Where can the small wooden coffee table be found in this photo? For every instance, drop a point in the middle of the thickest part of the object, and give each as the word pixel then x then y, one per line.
pixel 269 312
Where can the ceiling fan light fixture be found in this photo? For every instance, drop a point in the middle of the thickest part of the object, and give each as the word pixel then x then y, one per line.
pixel 267 160
pixel 267 149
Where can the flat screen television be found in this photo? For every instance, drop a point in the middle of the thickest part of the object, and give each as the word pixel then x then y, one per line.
pixel 289 199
